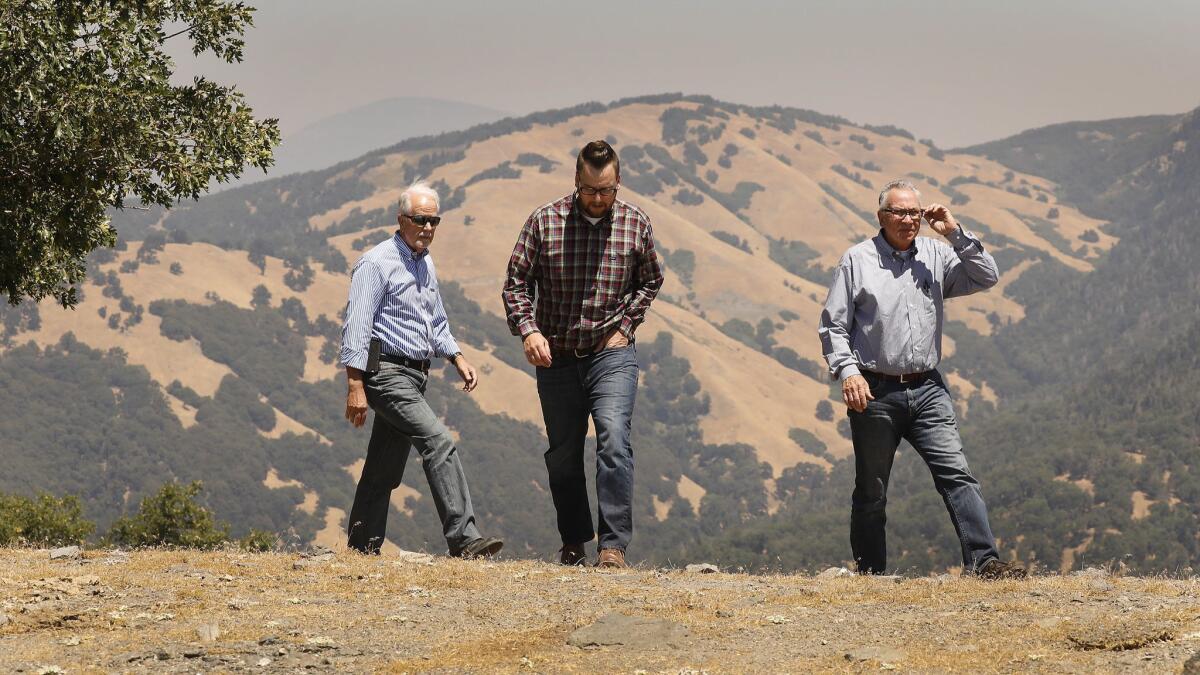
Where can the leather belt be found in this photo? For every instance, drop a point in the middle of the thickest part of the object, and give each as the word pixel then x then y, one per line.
pixel 907 378
pixel 422 366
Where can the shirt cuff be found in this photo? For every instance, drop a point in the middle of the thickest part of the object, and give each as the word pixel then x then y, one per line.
pixel 626 328
pixel 353 359
pixel 848 371
pixel 960 239
pixel 447 348
pixel 527 328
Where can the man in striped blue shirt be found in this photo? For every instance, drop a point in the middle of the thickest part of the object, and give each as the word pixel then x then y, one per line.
pixel 394 300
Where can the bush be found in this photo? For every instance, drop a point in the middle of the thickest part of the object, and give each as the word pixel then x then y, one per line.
pixel 44 522
pixel 259 541
pixel 171 517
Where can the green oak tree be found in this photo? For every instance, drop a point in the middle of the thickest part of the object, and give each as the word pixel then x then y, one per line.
pixel 90 120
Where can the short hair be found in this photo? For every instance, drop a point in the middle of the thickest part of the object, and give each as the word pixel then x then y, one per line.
pixel 419 188
pixel 898 184
pixel 597 154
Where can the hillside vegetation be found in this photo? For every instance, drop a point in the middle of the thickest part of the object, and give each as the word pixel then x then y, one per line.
pixel 203 348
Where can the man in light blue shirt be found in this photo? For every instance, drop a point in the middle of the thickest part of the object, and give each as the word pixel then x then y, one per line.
pixel 881 334
pixel 395 303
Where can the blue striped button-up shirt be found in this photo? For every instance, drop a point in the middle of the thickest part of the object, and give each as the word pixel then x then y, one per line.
pixel 884 309
pixel 394 296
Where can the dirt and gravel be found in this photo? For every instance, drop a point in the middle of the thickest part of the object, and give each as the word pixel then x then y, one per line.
pixel 176 611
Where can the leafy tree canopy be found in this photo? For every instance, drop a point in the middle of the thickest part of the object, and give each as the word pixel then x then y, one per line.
pixel 89 120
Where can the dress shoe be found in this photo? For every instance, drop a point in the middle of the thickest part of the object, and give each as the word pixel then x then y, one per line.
pixel 612 558
pixel 483 547
pixel 572 554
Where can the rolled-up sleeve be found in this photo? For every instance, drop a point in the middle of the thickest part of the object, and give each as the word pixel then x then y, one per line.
pixel 837 320
pixel 366 293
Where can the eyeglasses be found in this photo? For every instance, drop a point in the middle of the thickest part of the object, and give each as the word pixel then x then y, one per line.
pixel 915 214
pixel 590 191
pixel 422 221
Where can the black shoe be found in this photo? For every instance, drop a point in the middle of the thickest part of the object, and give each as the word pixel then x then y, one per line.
pixel 995 568
pixel 572 555
pixel 483 547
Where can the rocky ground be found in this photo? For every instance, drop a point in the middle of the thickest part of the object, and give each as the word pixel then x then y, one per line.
pixel 168 611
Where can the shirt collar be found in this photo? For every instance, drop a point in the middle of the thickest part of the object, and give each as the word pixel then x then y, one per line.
pixel 888 252
pixel 405 251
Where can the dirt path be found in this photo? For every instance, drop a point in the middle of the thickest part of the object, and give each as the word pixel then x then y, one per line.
pixel 166 611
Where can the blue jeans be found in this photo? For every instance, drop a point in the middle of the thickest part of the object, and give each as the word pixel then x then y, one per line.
pixel 402 420
pixel 920 412
pixel 602 385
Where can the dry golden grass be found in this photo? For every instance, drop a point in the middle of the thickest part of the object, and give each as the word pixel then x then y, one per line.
pixel 403 613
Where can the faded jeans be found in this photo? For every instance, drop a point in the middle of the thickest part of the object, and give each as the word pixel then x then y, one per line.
pixel 603 386
pixel 922 413
pixel 402 420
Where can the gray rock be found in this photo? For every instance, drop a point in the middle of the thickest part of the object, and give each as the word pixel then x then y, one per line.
pixel 1192 667
pixel 702 568
pixel 634 632
pixel 4 619
pixel 208 632
pixel 66 553
pixel 874 654
pixel 835 573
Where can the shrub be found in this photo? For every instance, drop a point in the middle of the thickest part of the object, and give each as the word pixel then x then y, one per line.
pixel 171 517
pixel 824 410
pixel 45 521
pixel 176 268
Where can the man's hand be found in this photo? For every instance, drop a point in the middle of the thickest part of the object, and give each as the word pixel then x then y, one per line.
pixel 614 340
pixel 537 350
pixel 467 372
pixel 856 393
pixel 356 398
pixel 940 219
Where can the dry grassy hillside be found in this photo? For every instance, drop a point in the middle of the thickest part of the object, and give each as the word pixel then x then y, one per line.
pixel 817 185
pixel 177 611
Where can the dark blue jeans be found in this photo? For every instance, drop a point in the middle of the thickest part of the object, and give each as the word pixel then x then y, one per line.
pixel 402 420
pixel 602 386
pixel 922 413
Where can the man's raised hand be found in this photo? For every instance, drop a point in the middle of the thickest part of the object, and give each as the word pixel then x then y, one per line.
pixel 940 219
pixel 856 393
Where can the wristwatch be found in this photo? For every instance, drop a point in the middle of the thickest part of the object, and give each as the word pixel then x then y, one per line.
pixel 454 357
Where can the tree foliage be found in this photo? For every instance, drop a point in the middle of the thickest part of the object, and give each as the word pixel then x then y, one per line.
pixel 90 120
pixel 171 517
pixel 44 521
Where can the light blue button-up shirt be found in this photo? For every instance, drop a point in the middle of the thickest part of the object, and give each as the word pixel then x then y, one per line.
pixel 884 309
pixel 394 296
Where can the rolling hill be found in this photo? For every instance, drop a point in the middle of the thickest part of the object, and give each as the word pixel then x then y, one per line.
pixel 737 428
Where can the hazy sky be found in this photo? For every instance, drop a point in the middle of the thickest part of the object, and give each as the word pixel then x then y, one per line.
pixel 960 72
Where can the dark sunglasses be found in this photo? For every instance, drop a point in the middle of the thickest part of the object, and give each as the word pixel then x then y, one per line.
pixel 422 221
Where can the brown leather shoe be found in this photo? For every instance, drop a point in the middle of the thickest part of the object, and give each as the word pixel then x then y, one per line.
pixel 571 555
pixel 611 558
pixel 995 569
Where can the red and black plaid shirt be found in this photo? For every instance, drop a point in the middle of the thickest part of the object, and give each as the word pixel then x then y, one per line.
pixel 588 278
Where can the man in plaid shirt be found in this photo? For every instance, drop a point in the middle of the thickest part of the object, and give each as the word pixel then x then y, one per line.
pixel 589 259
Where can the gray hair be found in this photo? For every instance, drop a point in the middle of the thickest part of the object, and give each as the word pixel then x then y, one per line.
pixel 419 188
pixel 899 184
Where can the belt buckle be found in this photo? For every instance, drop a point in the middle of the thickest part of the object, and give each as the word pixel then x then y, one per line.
pixel 903 378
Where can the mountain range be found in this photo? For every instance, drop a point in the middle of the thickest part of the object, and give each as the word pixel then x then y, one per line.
pixel 203 347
